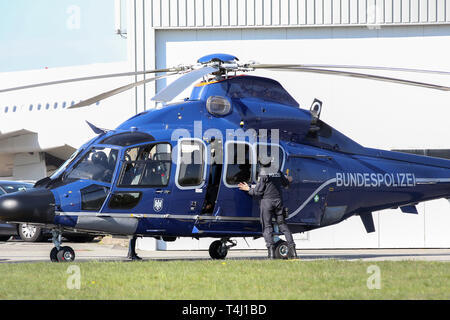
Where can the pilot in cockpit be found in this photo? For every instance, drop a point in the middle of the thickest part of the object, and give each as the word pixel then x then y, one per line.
pixel 104 170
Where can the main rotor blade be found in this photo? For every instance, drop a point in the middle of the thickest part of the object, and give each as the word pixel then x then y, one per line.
pixel 331 66
pixel 354 75
pixel 104 76
pixel 179 85
pixel 113 92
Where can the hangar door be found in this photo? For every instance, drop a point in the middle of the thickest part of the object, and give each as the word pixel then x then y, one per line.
pixel 342 96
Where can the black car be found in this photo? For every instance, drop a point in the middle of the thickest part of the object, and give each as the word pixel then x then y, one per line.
pixel 28 232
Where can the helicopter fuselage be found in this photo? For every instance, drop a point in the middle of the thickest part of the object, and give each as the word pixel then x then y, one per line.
pixel 134 180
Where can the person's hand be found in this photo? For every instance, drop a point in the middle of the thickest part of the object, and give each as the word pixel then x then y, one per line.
pixel 290 179
pixel 243 186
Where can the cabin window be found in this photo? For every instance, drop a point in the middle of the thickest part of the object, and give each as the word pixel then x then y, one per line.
pixel 92 197
pixel 270 151
pixel 147 166
pixel 191 164
pixel 98 164
pixel 124 200
pixel 238 163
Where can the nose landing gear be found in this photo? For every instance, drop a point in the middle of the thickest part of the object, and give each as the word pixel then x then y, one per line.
pixel 59 253
pixel 218 250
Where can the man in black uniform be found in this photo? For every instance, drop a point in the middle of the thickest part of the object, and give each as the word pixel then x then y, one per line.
pixel 269 190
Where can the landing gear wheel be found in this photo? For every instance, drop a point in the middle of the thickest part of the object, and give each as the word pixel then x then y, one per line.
pixel 218 250
pixel 281 250
pixel 65 254
pixel 54 255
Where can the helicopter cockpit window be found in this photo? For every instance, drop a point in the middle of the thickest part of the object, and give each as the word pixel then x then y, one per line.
pixel 191 164
pixel 239 164
pixel 98 165
pixel 147 166
pixel 63 167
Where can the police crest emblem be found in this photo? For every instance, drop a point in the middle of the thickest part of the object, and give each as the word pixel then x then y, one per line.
pixel 158 204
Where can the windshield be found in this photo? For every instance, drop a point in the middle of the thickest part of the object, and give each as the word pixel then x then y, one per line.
pixel 74 155
pixel 98 164
pixel 65 164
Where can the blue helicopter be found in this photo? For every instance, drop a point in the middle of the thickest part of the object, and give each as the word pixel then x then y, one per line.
pixel 174 171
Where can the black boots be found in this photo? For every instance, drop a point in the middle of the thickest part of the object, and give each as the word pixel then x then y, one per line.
pixel 292 252
pixel 271 252
pixel 132 250
pixel 134 257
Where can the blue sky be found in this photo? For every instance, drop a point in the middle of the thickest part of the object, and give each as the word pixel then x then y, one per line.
pixel 55 33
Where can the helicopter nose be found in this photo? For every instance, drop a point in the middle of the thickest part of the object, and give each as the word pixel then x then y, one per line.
pixel 33 205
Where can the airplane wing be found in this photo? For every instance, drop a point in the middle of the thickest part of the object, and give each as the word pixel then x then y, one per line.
pixel 14 133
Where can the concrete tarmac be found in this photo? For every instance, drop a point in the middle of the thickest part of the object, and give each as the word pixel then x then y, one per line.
pixel 15 251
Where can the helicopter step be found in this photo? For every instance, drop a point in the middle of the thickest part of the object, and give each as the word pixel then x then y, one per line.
pixel 60 253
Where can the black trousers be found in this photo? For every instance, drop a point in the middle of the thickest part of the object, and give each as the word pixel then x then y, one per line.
pixel 132 247
pixel 273 208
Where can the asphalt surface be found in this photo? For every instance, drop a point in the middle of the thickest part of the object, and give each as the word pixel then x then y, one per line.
pixel 17 251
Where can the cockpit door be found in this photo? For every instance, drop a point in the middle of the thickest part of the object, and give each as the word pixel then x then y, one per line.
pixel 142 185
